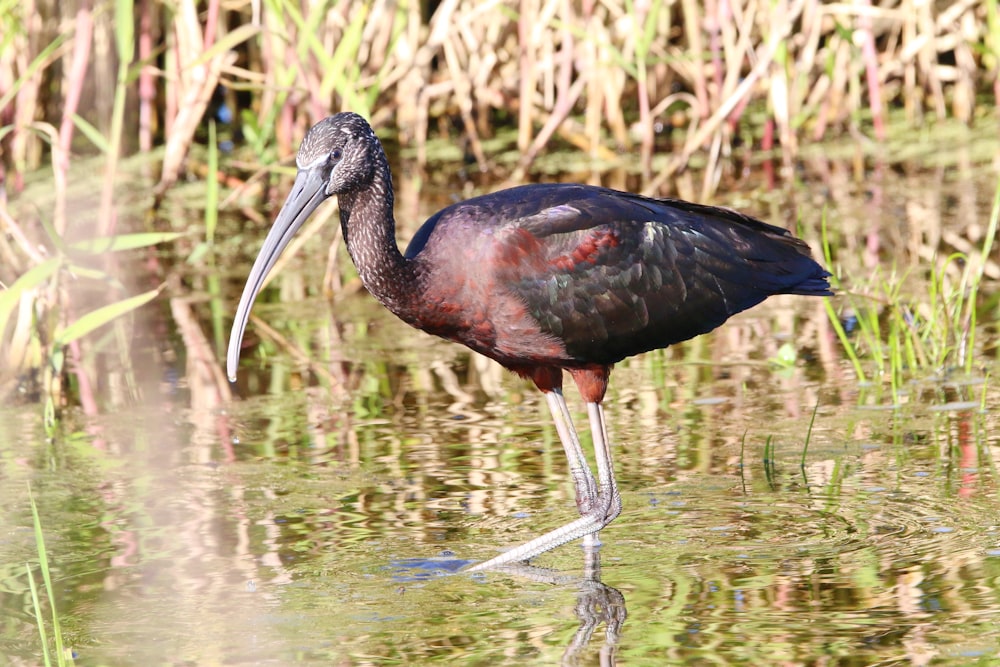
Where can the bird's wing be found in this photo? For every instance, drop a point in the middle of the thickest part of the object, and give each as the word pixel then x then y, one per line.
pixel 618 275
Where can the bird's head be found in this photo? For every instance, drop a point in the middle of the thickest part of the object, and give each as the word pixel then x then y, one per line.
pixel 338 156
pixel 340 153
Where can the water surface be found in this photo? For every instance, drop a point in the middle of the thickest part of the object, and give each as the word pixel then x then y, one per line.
pixel 323 514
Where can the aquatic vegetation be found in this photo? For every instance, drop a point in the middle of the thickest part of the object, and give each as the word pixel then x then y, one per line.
pixel 906 333
pixel 63 655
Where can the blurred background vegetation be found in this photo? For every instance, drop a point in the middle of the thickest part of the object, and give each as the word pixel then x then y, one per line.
pixel 109 110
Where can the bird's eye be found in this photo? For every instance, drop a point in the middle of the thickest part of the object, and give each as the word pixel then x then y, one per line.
pixel 336 154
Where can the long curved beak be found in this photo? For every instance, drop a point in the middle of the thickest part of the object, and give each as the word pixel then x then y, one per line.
pixel 306 195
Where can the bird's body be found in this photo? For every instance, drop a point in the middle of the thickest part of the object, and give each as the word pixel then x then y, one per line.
pixel 568 275
pixel 543 278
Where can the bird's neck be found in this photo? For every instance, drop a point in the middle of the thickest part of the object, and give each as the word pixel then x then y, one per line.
pixel 369 229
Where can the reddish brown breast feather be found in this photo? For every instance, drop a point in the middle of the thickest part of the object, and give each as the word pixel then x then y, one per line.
pixel 519 248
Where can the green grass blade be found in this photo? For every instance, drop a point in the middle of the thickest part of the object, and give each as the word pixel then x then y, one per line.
pixel 809 432
pixel 849 350
pixel 124 31
pixel 991 232
pixel 32 278
pixel 54 236
pixel 120 242
pixel 743 444
pixel 211 222
pixel 39 62
pixel 43 563
pixel 228 42
pixel 98 318
pixel 92 133
pixel 37 608
pixel 342 70
pixel 212 186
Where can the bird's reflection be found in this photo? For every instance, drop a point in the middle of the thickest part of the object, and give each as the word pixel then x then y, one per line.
pixel 596 604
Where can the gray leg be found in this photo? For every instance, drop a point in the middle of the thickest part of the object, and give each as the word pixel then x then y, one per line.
pixel 599 503
pixel 583 479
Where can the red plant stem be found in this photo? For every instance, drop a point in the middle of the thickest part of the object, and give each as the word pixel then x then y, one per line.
pixel 74 89
pixel 871 70
pixel 147 87
pixel 968 454
pixel 87 400
pixel 211 21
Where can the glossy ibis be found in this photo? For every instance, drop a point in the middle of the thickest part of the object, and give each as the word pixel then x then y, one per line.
pixel 542 278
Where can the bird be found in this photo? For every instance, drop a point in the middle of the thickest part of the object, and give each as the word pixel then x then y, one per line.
pixel 543 278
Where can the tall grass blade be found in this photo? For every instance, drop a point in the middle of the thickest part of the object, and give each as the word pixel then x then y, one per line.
pixel 212 186
pixel 227 42
pixel 40 61
pixel 976 280
pixel 125 43
pixel 43 562
pixel 104 315
pixel 211 222
pixel 342 73
pixel 121 242
pixel 124 30
pixel 92 133
pixel 809 431
pixel 36 606
pixel 29 280
pixel 743 444
pixel 832 314
pixel 845 341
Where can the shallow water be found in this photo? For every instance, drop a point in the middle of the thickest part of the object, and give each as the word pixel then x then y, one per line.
pixel 337 538
pixel 324 514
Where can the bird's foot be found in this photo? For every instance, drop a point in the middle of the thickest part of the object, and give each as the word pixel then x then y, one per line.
pixel 604 510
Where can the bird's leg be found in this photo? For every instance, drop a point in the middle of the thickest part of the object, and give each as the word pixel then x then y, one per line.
pixel 602 502
pixel 611 499
pixel 583 479
pixel 549 380
pixel 582 527
pixel 593 383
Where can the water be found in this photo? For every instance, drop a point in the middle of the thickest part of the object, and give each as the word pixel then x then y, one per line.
pixel 323 517
pixel 335 538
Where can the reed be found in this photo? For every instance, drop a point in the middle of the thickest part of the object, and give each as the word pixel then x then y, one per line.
pixel 825 67
pixel 673 80
pixel 905 335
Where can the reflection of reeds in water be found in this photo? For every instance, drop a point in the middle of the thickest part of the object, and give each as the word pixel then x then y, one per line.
pixel 428 452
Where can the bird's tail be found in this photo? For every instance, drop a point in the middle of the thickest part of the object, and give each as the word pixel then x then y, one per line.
pixel 815 285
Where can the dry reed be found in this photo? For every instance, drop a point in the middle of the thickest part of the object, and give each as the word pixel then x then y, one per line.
pixel 611 77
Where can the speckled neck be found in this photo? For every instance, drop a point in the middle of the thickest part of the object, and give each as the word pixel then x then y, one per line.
pixel 369 227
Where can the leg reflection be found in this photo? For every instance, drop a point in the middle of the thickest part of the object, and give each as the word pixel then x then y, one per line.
pixel 596 603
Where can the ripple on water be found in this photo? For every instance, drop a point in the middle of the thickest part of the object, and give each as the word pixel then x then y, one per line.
pixel 899 526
